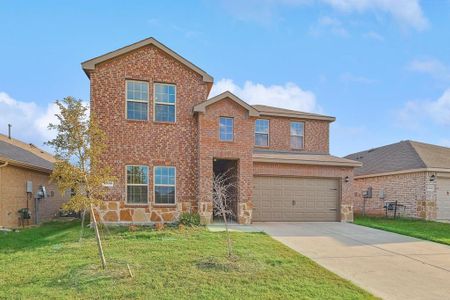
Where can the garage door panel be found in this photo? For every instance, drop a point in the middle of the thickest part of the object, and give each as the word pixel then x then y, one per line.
pixel 295 199
pixel 443 198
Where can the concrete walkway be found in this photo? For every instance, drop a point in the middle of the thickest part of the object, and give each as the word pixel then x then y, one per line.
pixel 389 265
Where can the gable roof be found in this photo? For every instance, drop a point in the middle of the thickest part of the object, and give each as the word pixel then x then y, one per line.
pixel 12 153
pixel 201 107
pixel 261 110
pixel 90 64
pixel 402 156
pixel 282 112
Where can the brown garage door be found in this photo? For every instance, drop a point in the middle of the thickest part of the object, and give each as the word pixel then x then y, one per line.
pixel 295 199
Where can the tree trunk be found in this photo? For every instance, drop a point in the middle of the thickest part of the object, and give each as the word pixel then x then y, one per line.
pixel 83 217
pixel 97 236
pixel 228 234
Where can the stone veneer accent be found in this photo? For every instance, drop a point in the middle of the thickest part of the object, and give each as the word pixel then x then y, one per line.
pixel 413 190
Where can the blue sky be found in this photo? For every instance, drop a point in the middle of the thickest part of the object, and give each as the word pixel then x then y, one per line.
pixel 381 67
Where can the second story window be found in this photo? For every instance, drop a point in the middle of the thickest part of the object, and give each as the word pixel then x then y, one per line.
pixel 226 129
pixel 165 102
pixel 262 133
pixel 297 134
pixel 137 100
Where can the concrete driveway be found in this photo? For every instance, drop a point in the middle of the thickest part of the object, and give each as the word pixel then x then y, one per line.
pixel 389 265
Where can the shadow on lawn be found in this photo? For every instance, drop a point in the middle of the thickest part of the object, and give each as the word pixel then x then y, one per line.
pixel 47 234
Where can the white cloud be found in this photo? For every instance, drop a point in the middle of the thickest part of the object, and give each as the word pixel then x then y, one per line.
pixel 332 25
pixel 430 66
pixel 29 121
pixel 406 12
pixel 416 112
pixel 374 36
pixel 289 95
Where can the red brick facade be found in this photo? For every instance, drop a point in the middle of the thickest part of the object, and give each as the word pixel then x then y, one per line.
pixel 191 143
pixel 316 137
pixel 240 149
pixel 414 191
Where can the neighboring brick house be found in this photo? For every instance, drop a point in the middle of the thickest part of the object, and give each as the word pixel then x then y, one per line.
pixel 416 175
pixel 21 163
pixel 167 140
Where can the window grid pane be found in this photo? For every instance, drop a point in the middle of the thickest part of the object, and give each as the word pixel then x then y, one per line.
pixel 226 129
pixel 164 113
pixel 165 93
pixel 262 126
pixel 261 139
pixel 297 128
pixel 296 142
pixel 165 185
pixel 137 110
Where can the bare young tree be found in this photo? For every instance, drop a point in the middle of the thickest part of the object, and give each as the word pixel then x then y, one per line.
pixel 224 191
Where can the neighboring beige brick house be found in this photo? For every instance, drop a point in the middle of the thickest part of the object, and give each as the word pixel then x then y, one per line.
pixel 21 163
pixel 166 140
pixel 416 175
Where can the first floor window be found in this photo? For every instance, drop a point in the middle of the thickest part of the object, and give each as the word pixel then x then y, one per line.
pixel 262 132
pixel 165 185
pixel 137 100
pixel 137 184
pixel 226 129
pixel 297 133
pixel 165 102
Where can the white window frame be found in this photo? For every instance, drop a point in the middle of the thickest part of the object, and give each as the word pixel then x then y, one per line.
pixel 291 135
pixel 268 132
pixel 138 101
pixel 135 184
pixel 170 185
pixel 164 103
pixel 232 133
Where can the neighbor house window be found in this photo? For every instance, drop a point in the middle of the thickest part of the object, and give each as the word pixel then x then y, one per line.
pixel 297 133
pixel 226 129
pixel 165 102
pixel 262 132
pixel 165 185
pixel 137 184
pixel 137 100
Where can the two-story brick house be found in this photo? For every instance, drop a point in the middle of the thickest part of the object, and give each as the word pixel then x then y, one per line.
pixel 166 140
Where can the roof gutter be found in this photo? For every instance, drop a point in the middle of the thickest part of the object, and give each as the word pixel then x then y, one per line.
pixel 25 165
pixel 403 172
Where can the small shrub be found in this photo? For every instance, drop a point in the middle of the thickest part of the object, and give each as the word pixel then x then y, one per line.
pixel 189 219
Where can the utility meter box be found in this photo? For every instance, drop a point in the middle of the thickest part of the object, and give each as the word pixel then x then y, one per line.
pixel 29 186
pixel 367 193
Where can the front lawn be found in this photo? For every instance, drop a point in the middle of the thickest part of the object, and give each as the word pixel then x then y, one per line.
pixel 49 262
pixel 427 230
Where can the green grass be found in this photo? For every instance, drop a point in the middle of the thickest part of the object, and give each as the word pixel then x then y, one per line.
pixel 49 262
pixel 427 230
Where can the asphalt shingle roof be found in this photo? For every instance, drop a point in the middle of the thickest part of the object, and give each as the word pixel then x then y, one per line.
pixel 405 155
pixel 12 152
